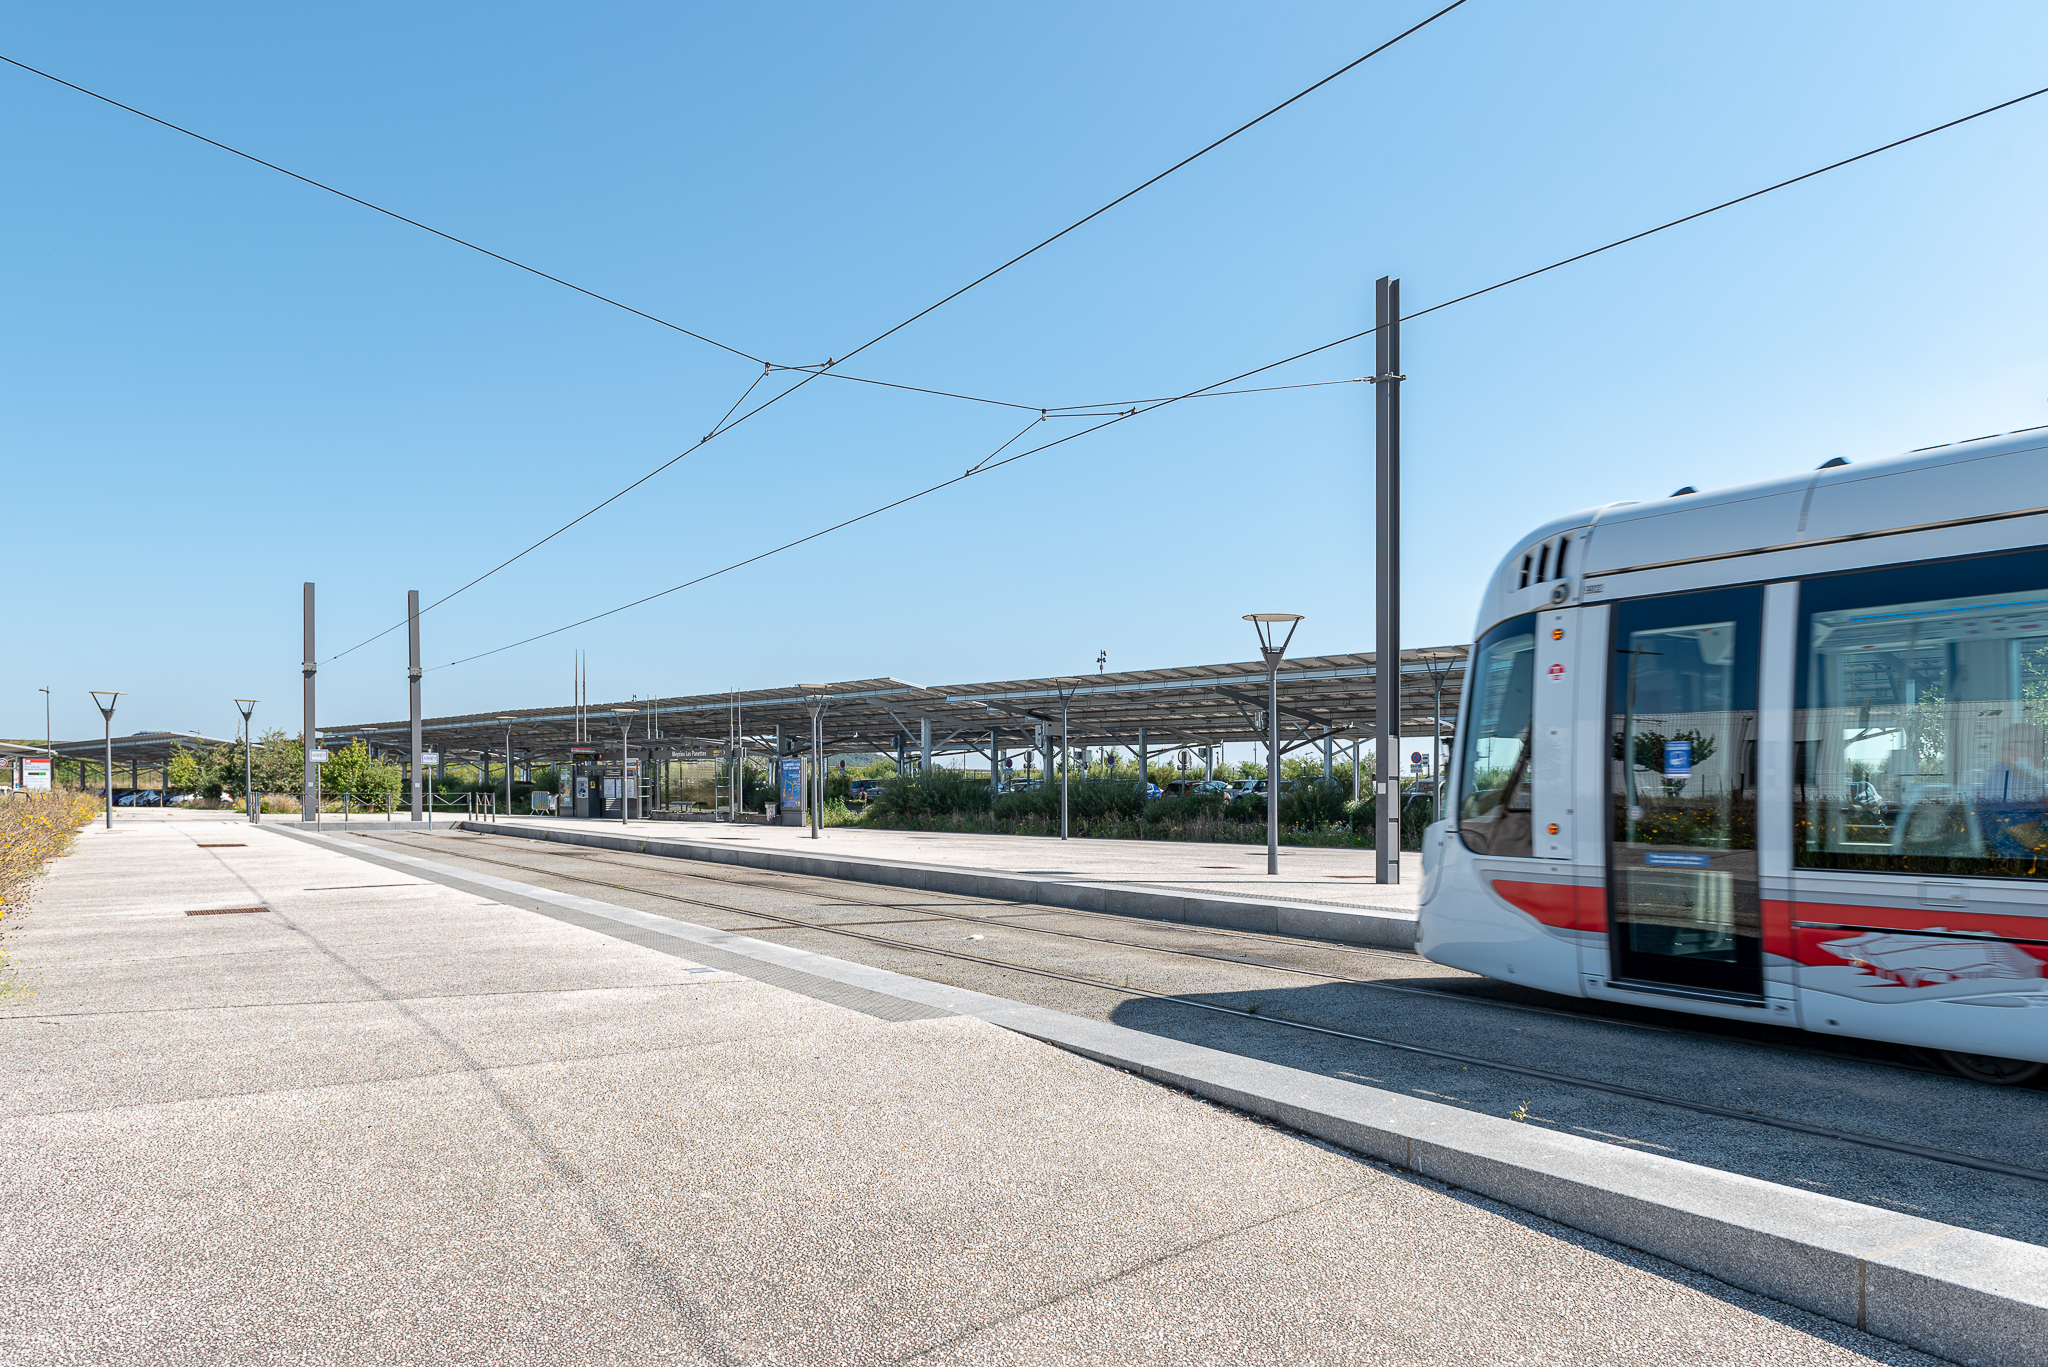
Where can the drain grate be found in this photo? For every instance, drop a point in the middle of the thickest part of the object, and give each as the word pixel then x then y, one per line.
pixel 230 845
pixel 226 911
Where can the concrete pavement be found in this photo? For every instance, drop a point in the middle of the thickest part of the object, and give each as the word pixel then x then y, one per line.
pixel 391 1121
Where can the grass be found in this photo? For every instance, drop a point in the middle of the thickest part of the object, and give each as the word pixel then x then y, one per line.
pixel 35 828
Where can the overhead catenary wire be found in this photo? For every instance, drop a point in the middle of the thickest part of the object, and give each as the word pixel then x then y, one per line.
pixel 989 463
pixel 810 373
pixel 378 208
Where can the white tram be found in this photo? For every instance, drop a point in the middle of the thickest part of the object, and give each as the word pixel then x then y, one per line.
pixel 1773 753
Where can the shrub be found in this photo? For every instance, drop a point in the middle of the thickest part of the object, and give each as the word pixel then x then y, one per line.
pixel 1185 807
pixel 1313 803
pixel 938 793
pixel 1088 800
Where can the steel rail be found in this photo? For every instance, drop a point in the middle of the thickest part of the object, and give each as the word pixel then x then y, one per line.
pixel 1010 920
pixel 1471 1060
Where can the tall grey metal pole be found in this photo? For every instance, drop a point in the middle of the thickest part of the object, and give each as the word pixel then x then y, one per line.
pixel 625 765
pixel 1273 762
pixel 1066 748
pixel 817 784
pixel 309 800
pixel 1272 648
pixel 109 715
pixel 412 674
pixel 508 771
pixel 250 799
pixel 1387 379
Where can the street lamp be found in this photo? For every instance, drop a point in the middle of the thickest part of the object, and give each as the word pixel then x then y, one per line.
pixel 107 711
pixel 625 716
pixel 506 722
pixel 815 697
pixel 48 749
pixel 247 707
pixel 1268 624
pixel 1067 696
pixel 1431 659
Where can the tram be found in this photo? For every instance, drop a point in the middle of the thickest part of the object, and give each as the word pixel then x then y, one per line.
pixel 1773 753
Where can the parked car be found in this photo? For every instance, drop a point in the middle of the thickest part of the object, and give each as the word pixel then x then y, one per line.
pixel 861 791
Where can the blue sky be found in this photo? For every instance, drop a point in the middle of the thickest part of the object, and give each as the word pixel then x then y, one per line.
pixel 218 383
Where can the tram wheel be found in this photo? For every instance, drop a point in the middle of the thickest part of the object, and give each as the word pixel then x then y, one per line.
pixel 1999 1072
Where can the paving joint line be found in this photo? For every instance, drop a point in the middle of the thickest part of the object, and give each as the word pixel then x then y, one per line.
pixel 1957 1293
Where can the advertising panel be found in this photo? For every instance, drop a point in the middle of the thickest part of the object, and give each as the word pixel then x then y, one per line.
pixel 792 784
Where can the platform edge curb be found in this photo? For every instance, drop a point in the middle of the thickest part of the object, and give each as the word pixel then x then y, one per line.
pixel 1379 929
pixel 1970 1297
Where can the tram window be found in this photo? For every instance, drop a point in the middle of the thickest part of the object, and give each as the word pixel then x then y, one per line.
pixel 1682 892
pixel 1493 783
pixel 1923 720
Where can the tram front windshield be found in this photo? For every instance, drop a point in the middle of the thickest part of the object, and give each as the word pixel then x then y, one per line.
pixel 1493 783
pixel 1924 699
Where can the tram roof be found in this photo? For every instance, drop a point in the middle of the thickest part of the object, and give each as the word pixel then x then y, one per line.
pixel 1329 695
pixel 1984 479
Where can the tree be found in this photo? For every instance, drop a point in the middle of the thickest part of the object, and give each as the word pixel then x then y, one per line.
pixel 187 772
pixel 352 770
pixel 280 764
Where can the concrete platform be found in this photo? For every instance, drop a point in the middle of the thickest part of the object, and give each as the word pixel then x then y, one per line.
pixel 398 1119
pixel 1327 894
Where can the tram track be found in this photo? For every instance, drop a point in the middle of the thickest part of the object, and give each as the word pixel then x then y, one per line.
pixel 1946 1156
pixel 1014 921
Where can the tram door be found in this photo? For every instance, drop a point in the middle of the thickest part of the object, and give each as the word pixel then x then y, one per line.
pixel 1682 902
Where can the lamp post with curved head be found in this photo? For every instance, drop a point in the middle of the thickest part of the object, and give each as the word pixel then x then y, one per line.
pixel 107 712
pixel 815 697
pixel 1066 692
pixel 1268 625
pixel 625 716
pixel 247 707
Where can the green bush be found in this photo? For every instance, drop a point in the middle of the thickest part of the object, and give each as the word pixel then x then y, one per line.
pixel 1185 807
pixel 1088 800
pixel 938 793
pixel 1313 803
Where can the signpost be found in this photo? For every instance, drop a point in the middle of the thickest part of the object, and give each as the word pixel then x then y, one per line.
pixel 35 775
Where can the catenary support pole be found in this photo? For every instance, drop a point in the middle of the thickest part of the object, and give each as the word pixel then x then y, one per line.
pixel 412 676
pixel 924 747
pixel 1387 379
pixel 309 736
